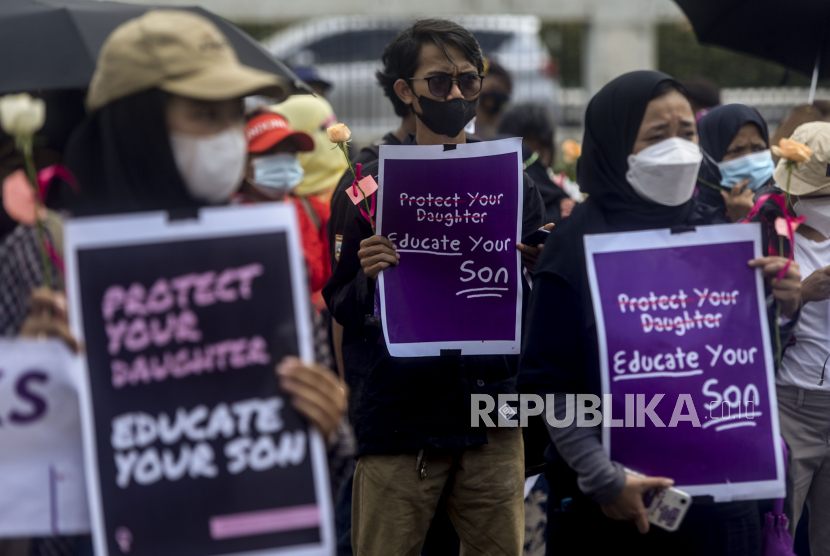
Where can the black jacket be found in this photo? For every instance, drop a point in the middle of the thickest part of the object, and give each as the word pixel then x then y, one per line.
pixel 371 152
pixel 401 405
pixel 552 194
pixel 560 351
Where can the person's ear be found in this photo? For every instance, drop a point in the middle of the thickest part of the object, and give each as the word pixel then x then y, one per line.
pixel 403 91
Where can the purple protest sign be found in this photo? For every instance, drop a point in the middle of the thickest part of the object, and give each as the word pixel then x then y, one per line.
pixel 455 216
pixel 685 356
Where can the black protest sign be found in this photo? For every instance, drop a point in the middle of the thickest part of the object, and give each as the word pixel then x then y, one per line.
pixel 197 451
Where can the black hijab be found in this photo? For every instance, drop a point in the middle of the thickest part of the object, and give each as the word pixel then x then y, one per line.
pixel 123 161
pixel 717 129
pixel 612 122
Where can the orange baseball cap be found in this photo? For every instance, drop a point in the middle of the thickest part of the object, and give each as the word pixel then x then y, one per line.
pixel 265 130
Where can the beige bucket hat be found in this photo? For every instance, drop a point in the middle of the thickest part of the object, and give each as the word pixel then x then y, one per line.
pixel 813 177
pixel 179 52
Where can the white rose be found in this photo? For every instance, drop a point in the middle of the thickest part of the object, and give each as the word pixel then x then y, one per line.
pixel 21 115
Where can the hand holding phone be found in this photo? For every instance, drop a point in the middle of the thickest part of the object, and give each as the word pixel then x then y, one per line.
pixel 536 238
pixel 665 507
pixel 628 506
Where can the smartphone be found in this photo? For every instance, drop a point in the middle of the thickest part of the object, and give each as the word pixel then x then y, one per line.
pixel 537 237
pixel 666 507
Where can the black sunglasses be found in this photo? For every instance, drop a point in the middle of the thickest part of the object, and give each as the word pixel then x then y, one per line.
pixel 440 84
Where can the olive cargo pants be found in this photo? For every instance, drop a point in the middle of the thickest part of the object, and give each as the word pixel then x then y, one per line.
pixel 395 496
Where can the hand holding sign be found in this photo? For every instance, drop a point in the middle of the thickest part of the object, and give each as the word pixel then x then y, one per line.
pixel 47 318
pixel 787 290
pixel 316 392
pixel 377 253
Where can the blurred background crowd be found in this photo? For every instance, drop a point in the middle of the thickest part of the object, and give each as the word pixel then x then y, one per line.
pixel 555 53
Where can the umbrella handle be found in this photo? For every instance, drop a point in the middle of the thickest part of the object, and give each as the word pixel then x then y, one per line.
pixel 814 84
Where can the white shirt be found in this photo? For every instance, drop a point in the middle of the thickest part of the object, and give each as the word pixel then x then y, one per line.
pixel 802 363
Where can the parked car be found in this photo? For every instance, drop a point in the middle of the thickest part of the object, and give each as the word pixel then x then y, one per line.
pixel 346 51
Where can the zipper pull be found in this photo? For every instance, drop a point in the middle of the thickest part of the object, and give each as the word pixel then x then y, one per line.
pixel 421 464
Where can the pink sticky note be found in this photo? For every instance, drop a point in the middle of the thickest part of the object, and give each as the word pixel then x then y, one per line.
pixel 367 185
pixel 19 198
pixel 782 228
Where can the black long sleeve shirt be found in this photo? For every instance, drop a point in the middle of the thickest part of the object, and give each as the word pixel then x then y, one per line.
pixel 405 404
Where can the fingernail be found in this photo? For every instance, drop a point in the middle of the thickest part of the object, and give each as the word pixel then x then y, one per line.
pixel 285 366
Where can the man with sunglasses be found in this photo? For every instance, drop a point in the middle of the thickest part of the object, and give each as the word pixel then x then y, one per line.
pixel 412 415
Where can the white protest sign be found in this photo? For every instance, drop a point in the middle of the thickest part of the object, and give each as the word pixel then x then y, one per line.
pixel 42 487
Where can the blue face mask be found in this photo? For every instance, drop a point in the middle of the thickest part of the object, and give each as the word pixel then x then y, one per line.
pixel 279 171
pixel 756 167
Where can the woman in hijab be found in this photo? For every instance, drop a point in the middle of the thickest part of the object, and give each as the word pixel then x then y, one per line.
pixel 643 114
pixel 737 162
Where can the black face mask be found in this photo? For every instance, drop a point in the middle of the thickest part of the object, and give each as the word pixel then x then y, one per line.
pixel 448 117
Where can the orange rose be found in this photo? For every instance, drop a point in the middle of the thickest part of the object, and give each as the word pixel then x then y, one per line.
pixel 572 150
pixel 339 133
pixel 792 150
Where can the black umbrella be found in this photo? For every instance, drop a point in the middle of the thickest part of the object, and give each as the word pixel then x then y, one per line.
pixel 794 33
pixel 54 44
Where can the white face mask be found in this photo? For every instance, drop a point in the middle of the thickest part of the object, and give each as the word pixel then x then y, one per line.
pixel 816 213
pixel 665 173
pixel 211 167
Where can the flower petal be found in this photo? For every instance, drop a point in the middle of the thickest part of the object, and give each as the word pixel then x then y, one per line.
pixel 339 133
pixel 21 114
pixel 783 226
pixel 792 150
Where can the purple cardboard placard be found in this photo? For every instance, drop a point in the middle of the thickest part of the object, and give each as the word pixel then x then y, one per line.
pixel 683 315
pixel 455 216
